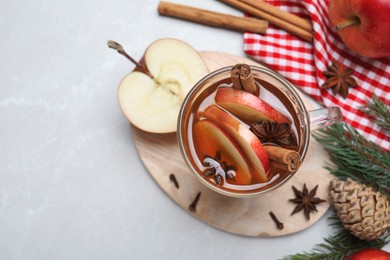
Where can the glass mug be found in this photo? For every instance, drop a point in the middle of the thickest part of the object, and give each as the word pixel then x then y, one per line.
pixel 277 92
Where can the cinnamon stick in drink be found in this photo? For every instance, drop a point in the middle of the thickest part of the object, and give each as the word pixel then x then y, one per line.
pixel 283 159
pixel 243 24
pixel 242 78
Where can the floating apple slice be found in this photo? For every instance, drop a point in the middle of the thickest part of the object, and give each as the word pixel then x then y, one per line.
pixel 248 107
pixel 209 139
pixel 247 141
pixel 150 96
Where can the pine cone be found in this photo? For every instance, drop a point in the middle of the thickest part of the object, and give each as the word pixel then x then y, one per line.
pixel 363 212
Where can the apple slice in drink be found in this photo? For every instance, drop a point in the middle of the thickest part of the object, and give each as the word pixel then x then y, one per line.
pixel 248 107
pixel 246 140
pixel 209 139
pixel 151 95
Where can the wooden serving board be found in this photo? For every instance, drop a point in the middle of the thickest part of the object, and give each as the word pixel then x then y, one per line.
pixel 250 216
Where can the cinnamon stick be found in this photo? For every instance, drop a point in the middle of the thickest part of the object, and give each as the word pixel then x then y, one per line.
pixel 242 78
pixel 281 23
pixel 291 18
pixel 243 24
pixel 283 159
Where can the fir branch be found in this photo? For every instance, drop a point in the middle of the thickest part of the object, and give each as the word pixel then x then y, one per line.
pixel 379 111
pixel 355 157
pixel 339 245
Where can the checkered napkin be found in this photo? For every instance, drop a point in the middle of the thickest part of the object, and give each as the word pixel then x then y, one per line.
pixel 302 63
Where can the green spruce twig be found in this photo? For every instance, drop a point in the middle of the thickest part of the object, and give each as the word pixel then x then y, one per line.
pixel 355 157
pixel 338 246
pixel 379 111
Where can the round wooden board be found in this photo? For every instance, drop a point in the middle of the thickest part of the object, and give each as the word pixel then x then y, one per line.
pixel 249 217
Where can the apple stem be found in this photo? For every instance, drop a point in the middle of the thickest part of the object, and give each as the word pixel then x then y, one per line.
pixel 354 21
pixel 119 48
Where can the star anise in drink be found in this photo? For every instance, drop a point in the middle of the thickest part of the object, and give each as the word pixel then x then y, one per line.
pixel 218 170
pixel 339 79
pixel 305 200
pixel 273 132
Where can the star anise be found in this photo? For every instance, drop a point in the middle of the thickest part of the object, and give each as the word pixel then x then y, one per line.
pixel 306 200
pixel 273 132
pixel 218 170
pixel 339 78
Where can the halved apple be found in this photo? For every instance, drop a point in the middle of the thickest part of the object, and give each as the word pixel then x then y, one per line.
pixel 209 139
pixel 247 141
pixel 248 107
pixel 153 104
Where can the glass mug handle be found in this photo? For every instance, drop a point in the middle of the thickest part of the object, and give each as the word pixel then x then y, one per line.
pixel 323 117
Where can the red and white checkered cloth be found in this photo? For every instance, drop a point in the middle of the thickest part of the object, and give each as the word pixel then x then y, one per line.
pixel 302 63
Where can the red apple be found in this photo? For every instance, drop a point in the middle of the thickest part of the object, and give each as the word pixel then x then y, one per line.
pixel 363 25
pixel 369 254
pixel 247 107
pixel 210 139
pixel 247 141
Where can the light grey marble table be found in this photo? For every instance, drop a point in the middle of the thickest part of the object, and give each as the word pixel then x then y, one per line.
pixel 71 183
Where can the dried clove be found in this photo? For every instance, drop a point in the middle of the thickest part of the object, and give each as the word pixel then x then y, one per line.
pixel 193 205
pixel 173 179
pixel 278 224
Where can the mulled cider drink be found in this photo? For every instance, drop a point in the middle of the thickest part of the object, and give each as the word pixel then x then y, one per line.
pixel 243 130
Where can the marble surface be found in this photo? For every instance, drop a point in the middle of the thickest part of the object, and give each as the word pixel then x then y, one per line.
pixel 71 183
